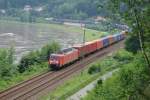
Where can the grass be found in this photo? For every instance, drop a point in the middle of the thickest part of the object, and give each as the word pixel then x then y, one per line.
pixel 80 80
pixel 7 82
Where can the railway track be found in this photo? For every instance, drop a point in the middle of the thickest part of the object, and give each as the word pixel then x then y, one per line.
pixel 47 81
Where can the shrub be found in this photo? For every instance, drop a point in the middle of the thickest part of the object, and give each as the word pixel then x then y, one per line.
pixel 38 56
pixel 123 56
pixel 100 82
pixel 47 50
pixel 27 60
pixel 94 69
pixel 6 63
pixel 132 44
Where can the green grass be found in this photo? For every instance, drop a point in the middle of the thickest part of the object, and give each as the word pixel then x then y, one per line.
pixel 80 80
pixel 7 82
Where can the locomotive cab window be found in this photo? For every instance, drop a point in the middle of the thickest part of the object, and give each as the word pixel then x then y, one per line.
pixel 52 57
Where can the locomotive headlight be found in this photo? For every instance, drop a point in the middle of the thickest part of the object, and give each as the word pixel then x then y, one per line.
pixel 53 62
pixel 50 62
pixel 56 62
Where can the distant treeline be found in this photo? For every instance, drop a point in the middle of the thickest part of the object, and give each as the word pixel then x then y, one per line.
pixel 69 9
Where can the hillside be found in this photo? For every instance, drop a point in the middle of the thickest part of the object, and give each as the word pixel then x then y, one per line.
pixel 69 9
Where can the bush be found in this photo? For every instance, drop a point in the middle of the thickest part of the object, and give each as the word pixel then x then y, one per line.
pixel 94 69
pixel 132 44
pixel 100 82
pixel 27 60
pixel 6 63
pixel 38 56
pixel 123 56
pixel 47 50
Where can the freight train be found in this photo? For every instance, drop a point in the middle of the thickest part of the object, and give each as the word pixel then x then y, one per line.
pixel 76 52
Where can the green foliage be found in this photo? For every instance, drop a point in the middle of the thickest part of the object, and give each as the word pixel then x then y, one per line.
pixel 7 82
pixel 120 57
pixel 48 49
pixel 38 56
pixel 71 9
pixel 6 63
pixel 99 82
pixel 135 13
pixel 28 60
pixel 94 69
pixel 11 52
pixel 123 56
pixel 132 44
pixel 129 82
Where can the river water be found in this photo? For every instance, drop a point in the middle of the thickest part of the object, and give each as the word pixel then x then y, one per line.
pixel 28 37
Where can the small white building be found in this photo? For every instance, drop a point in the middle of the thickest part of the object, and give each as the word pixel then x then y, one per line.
pixel 3 11
pixel 38 9
pixel 100 18
pixel 27 8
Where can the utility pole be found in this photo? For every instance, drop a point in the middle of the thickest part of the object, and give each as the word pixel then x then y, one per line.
pixel 83 26
pixel 84 34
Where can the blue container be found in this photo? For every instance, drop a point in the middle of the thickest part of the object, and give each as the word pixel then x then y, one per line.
pixel 122 36
pixel 117 37
pixel 105 41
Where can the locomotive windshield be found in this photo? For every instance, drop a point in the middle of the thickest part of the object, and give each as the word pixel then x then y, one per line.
pixel 52 57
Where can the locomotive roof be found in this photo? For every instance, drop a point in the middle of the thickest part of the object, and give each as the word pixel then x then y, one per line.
pixel 66 50
pixel 86 43
pixel 117 34
pixel 63 51
pixel 55 54
pixel 106 37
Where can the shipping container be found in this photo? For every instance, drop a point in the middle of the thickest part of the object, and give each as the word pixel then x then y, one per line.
pixel 99 44
pixel 82 49
pixel 117 37
pixel 105 41
pixel 111 39
pixel 91 46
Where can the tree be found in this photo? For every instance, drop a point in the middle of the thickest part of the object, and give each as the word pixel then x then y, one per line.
pixel 135 14
pixel 37 56
pixel 6 63
pixel 127 84
pixel 132 44
pixel 11 55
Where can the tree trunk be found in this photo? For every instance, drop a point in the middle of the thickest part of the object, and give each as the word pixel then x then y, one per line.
pixel 140 33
